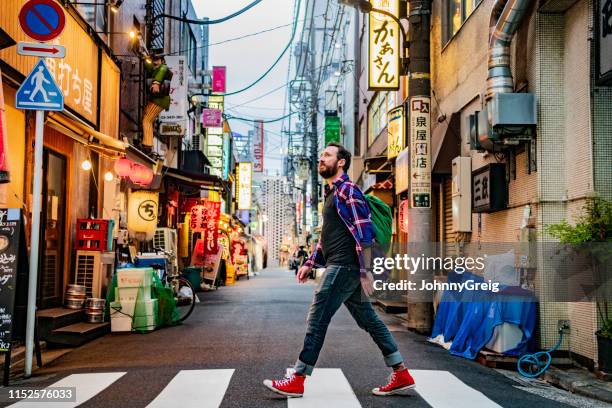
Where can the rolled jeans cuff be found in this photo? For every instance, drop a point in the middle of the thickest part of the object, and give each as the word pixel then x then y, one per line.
pixel 393 359
pixel 302 368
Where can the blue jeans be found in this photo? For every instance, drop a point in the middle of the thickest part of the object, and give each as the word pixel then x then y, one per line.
pixel 341 284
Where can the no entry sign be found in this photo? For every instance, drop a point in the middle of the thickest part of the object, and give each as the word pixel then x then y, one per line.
pixel 42 20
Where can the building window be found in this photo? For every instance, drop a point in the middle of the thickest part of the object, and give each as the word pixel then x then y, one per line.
pixel 457 11
pixel 94 14
pixel 190 47
pixel 377 116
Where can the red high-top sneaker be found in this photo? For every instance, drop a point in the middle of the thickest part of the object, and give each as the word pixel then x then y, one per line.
pixel 291 386
pixel 398 381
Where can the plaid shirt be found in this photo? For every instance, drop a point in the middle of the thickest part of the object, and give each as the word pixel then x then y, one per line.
pixel 354 211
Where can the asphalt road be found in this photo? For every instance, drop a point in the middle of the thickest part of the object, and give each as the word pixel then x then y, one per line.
pixel 254 330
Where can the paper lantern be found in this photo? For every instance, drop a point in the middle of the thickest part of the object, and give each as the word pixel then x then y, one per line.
pixel 142 213
pixel 146 177
pixel 123 167
pixel 141 175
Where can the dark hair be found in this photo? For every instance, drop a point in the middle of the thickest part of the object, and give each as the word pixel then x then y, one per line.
pixel 342 154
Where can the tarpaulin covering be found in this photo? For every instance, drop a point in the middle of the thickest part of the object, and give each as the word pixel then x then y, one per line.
pixel 468 319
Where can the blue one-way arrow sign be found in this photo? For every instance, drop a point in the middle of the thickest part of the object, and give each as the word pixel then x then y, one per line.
pixel 39 91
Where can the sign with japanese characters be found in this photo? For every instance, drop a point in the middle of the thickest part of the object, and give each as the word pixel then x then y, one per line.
pixel 198 218
pixel 420 160
pixel 10 233
pixel 244 185
pixel 403 216
pixel 218 79
pixel 77 74
pixel 211 232
pixel 605 39
pixel 396 132
pixel 384 47
pixel 211 118
pixel 258 147
pixel 177 113
pixel 402 171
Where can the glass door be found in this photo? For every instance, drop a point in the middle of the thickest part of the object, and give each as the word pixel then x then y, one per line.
pixel 53 220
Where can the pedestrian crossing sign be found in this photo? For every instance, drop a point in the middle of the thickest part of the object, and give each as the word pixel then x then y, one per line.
pixel 39 90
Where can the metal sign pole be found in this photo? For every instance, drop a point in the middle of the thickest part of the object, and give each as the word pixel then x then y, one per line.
pixel 34 240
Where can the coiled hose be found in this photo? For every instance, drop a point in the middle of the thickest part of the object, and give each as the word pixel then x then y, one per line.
pixel 535 364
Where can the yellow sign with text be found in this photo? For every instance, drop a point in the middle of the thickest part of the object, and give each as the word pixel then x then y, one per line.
pixel 384 46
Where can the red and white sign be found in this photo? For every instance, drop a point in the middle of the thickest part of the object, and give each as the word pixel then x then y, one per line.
pixel 198 218
pixel 258 147
pixel 41 50
pixel 212 118
pixel 218 79
pixel 42 20
pixel 211 233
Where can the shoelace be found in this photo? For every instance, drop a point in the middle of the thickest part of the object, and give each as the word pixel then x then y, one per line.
pixel 390 379
pixel 285 381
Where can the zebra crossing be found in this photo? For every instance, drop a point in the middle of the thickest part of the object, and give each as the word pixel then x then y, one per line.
pixel 326 387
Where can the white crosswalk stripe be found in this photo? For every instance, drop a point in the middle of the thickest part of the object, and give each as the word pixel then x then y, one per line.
pixel 194 388
pixel 87 386
pixel 327 387
pixel 441 389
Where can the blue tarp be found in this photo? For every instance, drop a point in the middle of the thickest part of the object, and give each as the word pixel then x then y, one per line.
pixel 468 318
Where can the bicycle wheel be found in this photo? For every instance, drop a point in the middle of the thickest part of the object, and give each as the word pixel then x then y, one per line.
pixel 185 297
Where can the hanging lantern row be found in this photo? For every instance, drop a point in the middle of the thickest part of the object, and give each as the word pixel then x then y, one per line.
pixel 137 173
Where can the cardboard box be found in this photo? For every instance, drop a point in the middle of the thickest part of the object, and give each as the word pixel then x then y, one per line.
pixel 135 277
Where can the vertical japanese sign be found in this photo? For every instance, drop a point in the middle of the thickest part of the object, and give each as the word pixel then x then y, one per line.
pixel 395 131
pixel 244 185
pixel 10 225
pixel 218 79
pixel 258 147
pixel 214 138
pixel 211 233
pixel 420 164
pixel 212 118
pixel 198 218
pixel 177 113
pixel 384 46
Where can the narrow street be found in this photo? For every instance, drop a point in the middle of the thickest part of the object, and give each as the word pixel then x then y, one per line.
pixel 242 334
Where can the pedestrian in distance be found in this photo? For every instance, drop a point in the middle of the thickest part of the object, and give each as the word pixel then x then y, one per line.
pixel 344 249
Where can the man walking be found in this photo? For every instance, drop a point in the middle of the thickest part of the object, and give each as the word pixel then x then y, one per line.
pixel 344 249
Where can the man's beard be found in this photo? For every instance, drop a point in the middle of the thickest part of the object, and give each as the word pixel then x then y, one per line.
pixel 328 172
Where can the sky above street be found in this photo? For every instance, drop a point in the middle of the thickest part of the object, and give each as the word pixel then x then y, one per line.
pixel 248 58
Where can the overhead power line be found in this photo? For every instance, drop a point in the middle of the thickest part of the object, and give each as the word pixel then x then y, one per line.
pixel 230 117
pixel 295 20
pixel 208 22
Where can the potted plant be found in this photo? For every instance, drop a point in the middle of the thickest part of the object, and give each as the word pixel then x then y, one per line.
pixel 592 227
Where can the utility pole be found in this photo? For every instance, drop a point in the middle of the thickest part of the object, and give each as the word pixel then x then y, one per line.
pixel 419 91
pixel 314 137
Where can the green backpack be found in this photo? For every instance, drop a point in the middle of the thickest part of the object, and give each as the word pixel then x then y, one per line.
pixel 382 220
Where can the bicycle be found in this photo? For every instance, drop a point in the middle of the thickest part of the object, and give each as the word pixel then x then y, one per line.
pixel 183 291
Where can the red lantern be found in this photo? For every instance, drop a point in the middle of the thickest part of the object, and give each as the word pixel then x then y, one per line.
pixel 123 167
pixel 137 175
pixel 147 176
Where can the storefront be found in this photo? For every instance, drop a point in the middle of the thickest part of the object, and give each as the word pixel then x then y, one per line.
pixel 80 144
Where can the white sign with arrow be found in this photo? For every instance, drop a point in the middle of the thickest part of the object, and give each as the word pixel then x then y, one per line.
pixel 41 50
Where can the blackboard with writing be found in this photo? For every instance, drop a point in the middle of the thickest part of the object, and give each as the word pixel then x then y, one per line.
pixel 12 265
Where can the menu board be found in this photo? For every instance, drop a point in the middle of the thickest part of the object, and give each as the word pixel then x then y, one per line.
pixel 11 247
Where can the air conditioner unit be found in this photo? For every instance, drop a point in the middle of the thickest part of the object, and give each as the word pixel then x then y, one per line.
pixel 165 238
pixel 93 270
pixel 462 194
pixel 197 142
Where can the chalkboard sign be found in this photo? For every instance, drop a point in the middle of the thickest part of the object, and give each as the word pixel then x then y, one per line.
pixel 12 266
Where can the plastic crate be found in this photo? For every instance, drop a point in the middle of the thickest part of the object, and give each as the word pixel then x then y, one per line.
pixel 92 235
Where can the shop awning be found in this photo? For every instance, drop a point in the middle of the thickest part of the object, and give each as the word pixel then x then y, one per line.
pixel 381 186
pixel 446 144
pixel 86 135
pixel 377 164
pixel 193 179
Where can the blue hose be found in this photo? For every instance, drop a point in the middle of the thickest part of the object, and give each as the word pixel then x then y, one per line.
pixel 537 363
